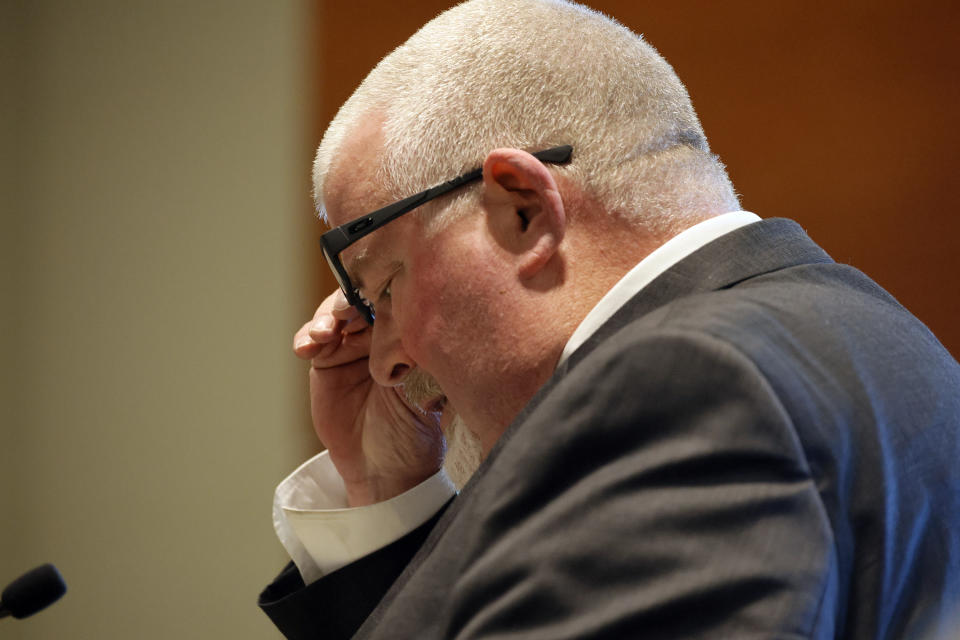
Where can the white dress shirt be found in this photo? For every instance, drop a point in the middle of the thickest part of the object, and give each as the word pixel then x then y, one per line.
pixel 310 512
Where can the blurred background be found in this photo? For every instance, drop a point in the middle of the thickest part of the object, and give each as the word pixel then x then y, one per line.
pixel 159 250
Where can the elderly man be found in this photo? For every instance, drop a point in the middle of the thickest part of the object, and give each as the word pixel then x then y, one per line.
pixel 687 422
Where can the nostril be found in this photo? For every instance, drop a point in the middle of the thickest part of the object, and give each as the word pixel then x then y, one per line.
pixel 399 372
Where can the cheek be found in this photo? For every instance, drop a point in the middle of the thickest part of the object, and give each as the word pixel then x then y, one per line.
pixel 443 309
pixel 429 316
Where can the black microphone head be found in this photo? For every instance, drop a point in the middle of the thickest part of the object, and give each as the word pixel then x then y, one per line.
pixel 33 591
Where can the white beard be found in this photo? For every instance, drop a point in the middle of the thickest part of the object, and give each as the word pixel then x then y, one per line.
pixel 464 453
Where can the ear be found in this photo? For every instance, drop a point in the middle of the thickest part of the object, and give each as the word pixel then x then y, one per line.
pixel 524 207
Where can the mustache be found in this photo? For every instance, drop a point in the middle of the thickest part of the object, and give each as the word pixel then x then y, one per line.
pixel 420 387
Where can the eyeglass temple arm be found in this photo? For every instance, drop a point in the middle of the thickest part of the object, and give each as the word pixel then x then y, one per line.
pixel 356 229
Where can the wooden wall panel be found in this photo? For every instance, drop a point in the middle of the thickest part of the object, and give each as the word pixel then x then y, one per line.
pixel 839 115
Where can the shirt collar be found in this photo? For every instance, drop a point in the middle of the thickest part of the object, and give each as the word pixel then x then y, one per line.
pixel 659 260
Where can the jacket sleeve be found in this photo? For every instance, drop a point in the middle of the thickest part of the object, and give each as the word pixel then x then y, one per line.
pixel 337 604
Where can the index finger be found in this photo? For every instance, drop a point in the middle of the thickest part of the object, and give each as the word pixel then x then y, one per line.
pixel 335 336
pixel 354 322
pixel 323 329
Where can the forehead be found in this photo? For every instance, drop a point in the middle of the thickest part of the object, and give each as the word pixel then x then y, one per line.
pixel 351 190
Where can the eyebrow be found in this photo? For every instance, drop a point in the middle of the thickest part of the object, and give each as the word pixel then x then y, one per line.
pixel 355 263
pixel 363 260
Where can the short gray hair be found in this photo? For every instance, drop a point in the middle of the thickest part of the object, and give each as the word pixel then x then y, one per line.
pixel 534 74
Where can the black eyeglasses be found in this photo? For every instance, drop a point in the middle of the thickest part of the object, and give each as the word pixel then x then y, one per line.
pixel 339 238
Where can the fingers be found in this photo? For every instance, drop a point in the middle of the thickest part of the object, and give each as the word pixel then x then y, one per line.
pixel 349 348
pixel 321 329
pixel 339 307
pixel 304 344
pixel 346 313
pixel 335 335
pixel 356 324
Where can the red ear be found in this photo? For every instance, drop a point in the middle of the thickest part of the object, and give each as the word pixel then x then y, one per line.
pixel 526 197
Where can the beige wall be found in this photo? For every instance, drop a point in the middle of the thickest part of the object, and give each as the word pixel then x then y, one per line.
pixel 155 193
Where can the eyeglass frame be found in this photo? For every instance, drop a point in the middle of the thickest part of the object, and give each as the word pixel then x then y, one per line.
pixel 336 240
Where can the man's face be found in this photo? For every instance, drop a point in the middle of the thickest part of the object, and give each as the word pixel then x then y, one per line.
pixel 443 304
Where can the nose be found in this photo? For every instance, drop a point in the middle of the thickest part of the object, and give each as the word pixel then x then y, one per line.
pixel 389 361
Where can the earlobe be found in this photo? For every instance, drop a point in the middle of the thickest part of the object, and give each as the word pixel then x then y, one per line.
pixel 524 198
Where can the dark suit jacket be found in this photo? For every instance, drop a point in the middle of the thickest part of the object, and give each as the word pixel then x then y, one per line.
pixel 761 444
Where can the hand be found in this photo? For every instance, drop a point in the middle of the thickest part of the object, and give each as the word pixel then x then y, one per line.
pixel 380 445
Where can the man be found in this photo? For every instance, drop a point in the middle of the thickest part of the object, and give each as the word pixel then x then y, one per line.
pixel 692 423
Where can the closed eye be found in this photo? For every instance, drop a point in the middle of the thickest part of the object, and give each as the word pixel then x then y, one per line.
pixel 381 298
pixel 382 294
pixel 385 293
pixel 385 296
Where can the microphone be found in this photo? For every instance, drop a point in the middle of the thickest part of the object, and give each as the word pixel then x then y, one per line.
pixel 31 592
